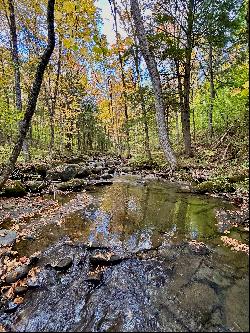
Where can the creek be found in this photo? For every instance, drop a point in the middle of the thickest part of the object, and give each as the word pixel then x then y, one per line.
pixel 135 256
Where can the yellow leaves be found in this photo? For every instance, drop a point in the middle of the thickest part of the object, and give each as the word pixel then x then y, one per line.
pixel 83 81
pixel 104 111
pixel 97 50
pixel 58 16
pixel 68 42
pixel 246 85
pixel 68 7
pixel 83 51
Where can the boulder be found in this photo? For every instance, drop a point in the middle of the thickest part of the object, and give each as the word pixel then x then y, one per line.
pixel 73 184
pixel 106 176
pixel 13 188
pixel 35 186
pixel 83 171
pixel 105 258
pixel 20 290
pixel 63 172
pixel 41 169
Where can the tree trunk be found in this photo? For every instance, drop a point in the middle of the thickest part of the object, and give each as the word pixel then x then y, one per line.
pixel 33 95
pixel 143 107
pixel 114 12
pixel 155 78
pixel 54 99
pixel 15 59
pixel 212 92
pixel 187 77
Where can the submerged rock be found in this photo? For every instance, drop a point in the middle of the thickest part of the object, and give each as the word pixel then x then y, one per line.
pixel 63 264
pixel 7 237
pixel 94 277
pixel 19 273
pixel 20 290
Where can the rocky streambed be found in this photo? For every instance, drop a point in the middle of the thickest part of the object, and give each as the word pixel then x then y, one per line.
pixel 134 255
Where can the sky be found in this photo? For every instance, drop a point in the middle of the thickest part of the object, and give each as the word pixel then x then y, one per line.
pixel 107 28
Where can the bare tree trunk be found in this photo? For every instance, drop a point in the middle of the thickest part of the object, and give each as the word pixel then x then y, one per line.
pixel 187 79
pixel 53 105
pixel 155 78
pixel 212 92
pixel 143 107
pixel 33 95
pixel 177 127
pixel 15 59
pixel 114 12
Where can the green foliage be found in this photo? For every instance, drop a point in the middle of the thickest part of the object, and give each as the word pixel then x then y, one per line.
pixel 231 101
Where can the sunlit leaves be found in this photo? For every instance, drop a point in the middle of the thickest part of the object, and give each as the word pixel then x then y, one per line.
pixel 68 6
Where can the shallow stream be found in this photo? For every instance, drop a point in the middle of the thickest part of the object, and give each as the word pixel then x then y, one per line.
pixel 144 257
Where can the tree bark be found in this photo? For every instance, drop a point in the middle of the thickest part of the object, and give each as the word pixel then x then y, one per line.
pixel 187 78
pixel 155 78
pixel 114 12
pixel 143 107
pixel 212 92
pixel 33 95
pixel 54 99
pixel 15 59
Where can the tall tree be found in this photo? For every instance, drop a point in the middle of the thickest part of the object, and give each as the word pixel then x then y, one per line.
pixel 33 95
pixel 114 13
pixel 156 82
pixel 16 63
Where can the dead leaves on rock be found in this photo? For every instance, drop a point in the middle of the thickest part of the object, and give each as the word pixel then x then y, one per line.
pixel 235 244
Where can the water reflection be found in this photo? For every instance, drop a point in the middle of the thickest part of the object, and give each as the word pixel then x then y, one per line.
pixel 129 217
pixel 135 217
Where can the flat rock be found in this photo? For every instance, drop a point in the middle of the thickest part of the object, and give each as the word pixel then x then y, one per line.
pixel 35 185
pixel 7 237
pixel 19 273
pixel 20 290
pixel 63 264
pixel 106 176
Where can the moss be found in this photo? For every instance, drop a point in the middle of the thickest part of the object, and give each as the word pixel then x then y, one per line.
pixel 14 188
pixel 214 186
pixel 72 184
pixel 236 178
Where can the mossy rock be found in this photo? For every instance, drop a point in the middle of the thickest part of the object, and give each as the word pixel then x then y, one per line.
pixel 41 168
pixel 14 188
pixel 73 184
pixel 214 186
pixel 35 186
pixel 236 178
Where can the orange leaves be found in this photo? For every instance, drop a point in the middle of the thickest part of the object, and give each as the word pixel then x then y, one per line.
pixel 235 244
pixel 18 300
